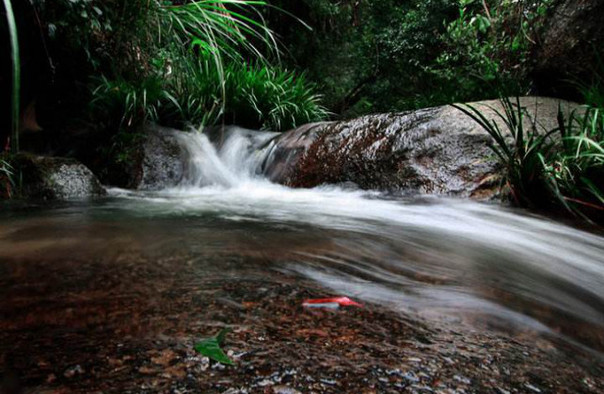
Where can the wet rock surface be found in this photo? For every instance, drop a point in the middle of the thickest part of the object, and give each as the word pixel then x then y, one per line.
pixel 55 178
pixel 163 159
pixel 432 151
pixel 129 325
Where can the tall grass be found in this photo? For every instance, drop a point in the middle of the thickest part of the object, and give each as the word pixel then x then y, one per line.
pixel 576 169
pixel 208 61
pixel 130 102
pixel 6 177
pixel 218 27
pixel 255 96
pixel 16 75
pixel 562 167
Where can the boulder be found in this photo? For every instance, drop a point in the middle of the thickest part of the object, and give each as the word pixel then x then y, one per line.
pixel 571 45
pixel 151 160
pixel 54 178
pixel 439 151
pixel 163 159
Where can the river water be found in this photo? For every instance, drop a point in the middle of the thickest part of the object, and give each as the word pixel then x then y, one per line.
pixel 457 262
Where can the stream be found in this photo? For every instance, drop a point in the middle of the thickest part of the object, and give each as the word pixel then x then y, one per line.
pixel 142 257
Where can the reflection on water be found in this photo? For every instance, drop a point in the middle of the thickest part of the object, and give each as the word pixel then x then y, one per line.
pixel 438 258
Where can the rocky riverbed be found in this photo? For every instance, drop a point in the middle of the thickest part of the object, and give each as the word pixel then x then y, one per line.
pixel 130 326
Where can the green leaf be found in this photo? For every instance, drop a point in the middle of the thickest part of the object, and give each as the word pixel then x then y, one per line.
pixel 482 23
pixel 210 347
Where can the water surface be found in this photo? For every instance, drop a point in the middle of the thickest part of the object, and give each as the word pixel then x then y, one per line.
pixel 456 262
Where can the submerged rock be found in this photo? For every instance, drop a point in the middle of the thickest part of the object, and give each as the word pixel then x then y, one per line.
pixel 430 151
pixel 55 178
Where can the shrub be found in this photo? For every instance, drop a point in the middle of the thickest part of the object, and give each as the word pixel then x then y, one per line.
pixel 167 61
pixel 563 167
pixel 487 48
pixel 196 92
pixel 7 182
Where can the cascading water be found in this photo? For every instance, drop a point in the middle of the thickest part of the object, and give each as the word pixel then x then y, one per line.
pixel 439 258
pixel 433 256
pixel 238 161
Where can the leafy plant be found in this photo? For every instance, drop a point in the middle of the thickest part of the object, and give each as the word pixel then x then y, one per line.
pixel 16 75
pixel 274 98
pixel 487 48
pixel 522 158
pixel 576 169
pixel 130 102
pixel 7 176
pixel 194 92
pixel 211 347
pixel 562 167
pixel 198 73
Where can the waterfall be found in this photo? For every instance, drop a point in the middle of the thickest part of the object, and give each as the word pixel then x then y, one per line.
pixel 235 161
pixel 428 254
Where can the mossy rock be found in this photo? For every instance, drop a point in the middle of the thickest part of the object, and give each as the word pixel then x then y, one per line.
pixel 53 178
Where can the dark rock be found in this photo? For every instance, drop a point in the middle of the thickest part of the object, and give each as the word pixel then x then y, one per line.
pixel 148 159
pixel 571 44
pixel 54 178
pixel 431 151
pixel 163 159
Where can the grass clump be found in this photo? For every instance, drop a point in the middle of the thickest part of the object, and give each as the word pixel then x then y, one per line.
pixel 173 62
pixel 7 180
pixel 558 168
pixel 196 92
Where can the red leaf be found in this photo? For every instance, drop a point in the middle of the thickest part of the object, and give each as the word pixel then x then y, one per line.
pixel 342 301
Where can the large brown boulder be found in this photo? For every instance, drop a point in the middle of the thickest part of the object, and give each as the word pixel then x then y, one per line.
pixel 438 151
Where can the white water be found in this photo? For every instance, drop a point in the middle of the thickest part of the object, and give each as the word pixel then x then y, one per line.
pixel 434 256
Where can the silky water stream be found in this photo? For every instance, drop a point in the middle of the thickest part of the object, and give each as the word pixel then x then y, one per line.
pixel 118 263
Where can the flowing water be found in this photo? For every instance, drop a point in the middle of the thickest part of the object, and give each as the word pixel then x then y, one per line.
pixel 458 262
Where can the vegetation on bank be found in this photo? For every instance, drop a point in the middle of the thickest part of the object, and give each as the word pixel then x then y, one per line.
pixel 112 65
pixel 549 169
pixel 390 55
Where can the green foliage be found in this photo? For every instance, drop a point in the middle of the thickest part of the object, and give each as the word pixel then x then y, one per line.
pixel 563 167
pixel 7 176
pixel 486 49
pixel 522 159
pixel 16 76
pixel 210 347
pixel 575 170
pixel 196 92
pixel 178 62
pixel 274 98
pixel 371 56
pixel 129 102
pixel 592 89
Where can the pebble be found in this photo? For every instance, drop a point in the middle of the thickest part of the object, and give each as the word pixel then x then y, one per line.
pixel 532 388
pixel 264 383
pixel 72 371
pixel 411 377
pixel 285 390
pixel 462 379
pixel 329 382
